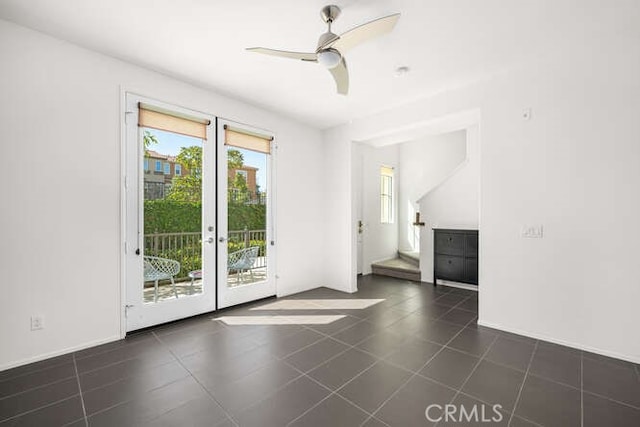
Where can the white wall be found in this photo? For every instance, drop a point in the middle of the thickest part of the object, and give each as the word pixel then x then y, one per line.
pixel 424 164
pixel 454 203
pixel 60 176
pixel 572 168
pixel 379 241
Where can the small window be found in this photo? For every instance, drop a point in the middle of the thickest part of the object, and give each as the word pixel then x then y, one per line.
pixel 178 169
pixel 158 166
pixel 243 173
pixel 386 195
pixel 167 169
pixel 146 164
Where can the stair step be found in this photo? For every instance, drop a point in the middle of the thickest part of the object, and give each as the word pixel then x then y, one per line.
pixel 410 256
pixel 396 267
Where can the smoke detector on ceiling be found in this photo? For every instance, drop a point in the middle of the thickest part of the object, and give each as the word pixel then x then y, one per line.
pixel 402 71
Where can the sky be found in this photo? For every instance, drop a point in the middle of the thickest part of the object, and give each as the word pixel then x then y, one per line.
pixel 170 143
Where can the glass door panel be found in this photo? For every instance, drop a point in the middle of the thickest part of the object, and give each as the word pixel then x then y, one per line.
pixel 170 218
pixel 244 220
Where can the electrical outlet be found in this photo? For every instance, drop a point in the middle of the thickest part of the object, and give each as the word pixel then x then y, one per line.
pixel 532 231
pixel 37 323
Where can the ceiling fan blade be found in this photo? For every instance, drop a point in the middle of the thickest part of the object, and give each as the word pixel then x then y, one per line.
pixel 341 76
pixel 303 56
pixel 363 33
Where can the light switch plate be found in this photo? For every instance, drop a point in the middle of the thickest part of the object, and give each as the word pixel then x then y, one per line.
pixel 532 231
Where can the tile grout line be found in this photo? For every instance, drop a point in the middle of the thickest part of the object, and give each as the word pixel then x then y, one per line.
pixel 331 393
pixel 38 387
pixel 22 414
pixel 233 420
pixel 581 389
pixel 115 405
pixel 84 409
pixel 137 335
pixel 524 380
pixel 35 371
pixel 422 367
pixel 480 359
pixel 463 393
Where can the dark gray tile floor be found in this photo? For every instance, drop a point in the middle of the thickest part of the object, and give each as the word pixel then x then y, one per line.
pixel 378 366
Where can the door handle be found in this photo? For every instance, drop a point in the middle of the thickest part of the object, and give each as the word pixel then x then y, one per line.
pixel 209 239
pixel 222 239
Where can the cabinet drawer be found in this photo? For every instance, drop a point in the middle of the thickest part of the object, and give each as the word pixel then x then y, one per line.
pixel 471 270
pixel 471 245
pixel 449 243
pixel 450 267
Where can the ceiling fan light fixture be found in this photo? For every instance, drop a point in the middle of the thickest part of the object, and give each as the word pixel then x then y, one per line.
pixel 329 58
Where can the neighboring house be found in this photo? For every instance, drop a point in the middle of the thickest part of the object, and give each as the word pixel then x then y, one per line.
pixel 253 194
pixel 159 170
pixel 249 174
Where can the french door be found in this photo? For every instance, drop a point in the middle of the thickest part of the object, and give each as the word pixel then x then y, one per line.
pixel 246 246
pixel 170 212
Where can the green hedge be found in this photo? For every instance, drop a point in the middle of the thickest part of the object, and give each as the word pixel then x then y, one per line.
pixel 253 217
pixel 170 216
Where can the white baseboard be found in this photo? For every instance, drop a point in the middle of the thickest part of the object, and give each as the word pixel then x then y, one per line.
pixel 458 285
pixel 577 346
pixel 297 291
pixel 352 291
pixel 68 350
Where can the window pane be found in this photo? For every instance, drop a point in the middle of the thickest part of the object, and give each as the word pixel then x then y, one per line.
pixel 386 195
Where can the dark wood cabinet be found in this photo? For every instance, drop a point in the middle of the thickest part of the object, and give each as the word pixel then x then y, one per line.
pixel 455 255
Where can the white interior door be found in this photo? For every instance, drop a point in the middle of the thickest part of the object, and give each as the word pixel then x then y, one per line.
pixel 170 247
pixel 246 242
pixel 358 188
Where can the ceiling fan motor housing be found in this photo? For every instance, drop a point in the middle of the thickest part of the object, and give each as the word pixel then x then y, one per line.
pixel 324 39
pixel 330 13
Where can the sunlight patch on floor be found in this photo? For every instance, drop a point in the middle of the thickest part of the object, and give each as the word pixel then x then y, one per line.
pixel 279 320
pixel 320 304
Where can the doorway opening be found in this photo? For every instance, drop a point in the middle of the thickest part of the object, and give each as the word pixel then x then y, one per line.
pixel 435 185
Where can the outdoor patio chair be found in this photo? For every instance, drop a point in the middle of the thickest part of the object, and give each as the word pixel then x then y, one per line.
pixel 156 268
pixel 242 261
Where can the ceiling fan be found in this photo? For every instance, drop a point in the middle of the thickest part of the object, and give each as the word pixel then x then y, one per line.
pixel 331 47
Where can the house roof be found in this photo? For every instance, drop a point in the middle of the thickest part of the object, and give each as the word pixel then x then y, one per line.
pixel 155 155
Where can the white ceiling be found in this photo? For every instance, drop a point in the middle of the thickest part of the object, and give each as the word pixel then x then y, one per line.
pixel 446 43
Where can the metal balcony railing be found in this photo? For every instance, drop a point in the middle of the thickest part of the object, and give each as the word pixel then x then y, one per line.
pixel 186 248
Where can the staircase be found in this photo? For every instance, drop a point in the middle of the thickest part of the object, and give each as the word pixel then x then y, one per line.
pixel 405 266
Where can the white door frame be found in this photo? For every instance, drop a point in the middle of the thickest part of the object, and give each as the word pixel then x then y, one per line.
pixel 226 296
pixel 139 315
